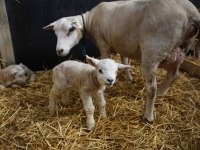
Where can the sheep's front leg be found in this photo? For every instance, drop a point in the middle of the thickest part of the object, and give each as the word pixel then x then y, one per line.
pixel 101 104
pixel 124 60
pixel 65 98
pixel 172 74
pixel 89 110
pixel 149 72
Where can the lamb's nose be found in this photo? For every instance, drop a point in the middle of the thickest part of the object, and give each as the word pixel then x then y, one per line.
pixel 110 80
pixel 59 51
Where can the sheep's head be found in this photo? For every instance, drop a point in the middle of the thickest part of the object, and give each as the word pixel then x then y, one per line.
pixel 68 32
pixel 106 70
pixel 19 74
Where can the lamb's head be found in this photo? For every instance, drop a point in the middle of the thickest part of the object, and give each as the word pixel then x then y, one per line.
pixel 106 70
pixel 68 32
pixel 19 74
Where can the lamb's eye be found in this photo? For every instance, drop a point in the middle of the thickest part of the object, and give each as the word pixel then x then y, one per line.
pixel 100 71
pixel 20 76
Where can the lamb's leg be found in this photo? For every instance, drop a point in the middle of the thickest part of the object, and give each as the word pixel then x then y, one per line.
pixel 65 98
pixel 54 94
pixel 28 72
pixel 124 60
pixel 89 110
pixel 172 74
pixel 2 86
pixel 149 72
pixel 101 104
pixel 14 85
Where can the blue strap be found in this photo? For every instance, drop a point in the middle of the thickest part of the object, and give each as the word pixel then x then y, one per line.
pixel 84 51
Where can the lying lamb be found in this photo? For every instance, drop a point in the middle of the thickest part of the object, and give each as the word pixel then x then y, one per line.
pixel 15 75
pixel 90 79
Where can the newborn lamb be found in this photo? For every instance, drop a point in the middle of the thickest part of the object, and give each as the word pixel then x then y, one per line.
pixel 15 75
pixel 90 79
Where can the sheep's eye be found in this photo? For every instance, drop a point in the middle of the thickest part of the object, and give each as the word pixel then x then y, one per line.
pixel 100 71
pixel 71 29
pixel 20 76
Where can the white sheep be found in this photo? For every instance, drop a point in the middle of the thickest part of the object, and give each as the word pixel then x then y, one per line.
pixel 15 75
pixel 90 79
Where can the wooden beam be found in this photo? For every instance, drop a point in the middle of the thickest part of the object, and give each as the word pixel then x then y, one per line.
pixel 190 67
pixel 194 45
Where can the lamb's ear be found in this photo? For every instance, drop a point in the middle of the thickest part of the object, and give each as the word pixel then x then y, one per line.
pixel 122 67
pixel 50 26
pixel 76 24
pixel 13 71
pixel 92 61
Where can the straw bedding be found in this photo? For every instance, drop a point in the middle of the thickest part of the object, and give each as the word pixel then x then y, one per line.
pixel 26 124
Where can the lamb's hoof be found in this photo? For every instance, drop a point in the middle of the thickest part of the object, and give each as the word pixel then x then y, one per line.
pixel 90 128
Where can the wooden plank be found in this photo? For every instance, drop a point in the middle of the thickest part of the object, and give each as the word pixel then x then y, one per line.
pixel 194 45
pixel 190 67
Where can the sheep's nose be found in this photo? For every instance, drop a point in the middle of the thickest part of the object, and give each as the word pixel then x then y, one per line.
pixel 110 80
pixel 60 51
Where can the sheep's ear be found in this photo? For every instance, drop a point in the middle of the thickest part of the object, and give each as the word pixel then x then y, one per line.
pixel 21 64
pixel 92 61
pixel 13 71
pixel 76 24
pixel 50 26
pixel 122 67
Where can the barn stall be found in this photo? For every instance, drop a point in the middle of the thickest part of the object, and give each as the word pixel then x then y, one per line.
pixel 26 124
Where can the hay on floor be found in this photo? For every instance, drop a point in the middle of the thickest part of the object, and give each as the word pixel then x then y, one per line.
pixel 26 124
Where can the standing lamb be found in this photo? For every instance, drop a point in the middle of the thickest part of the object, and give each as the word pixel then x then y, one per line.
pixel 90 79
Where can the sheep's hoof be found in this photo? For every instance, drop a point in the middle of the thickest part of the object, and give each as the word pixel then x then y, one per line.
pixel 129 81
pixel 65 104
pixel 51 112
pixel 145 120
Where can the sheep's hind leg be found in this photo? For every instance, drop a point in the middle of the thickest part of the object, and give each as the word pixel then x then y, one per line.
pixel 124 60
pixel 65 98
pixel 172 74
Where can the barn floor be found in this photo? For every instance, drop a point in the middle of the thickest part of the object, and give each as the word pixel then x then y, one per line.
pixel 26 124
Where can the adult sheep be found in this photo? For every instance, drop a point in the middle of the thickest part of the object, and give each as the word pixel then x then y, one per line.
pixel 159 32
